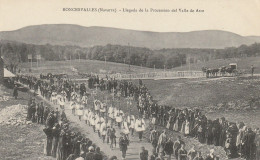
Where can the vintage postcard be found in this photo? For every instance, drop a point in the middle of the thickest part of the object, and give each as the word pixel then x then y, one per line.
pixel 129 79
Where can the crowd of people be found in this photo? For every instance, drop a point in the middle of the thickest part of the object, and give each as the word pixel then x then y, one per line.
pixel 236 138
pixel 61 143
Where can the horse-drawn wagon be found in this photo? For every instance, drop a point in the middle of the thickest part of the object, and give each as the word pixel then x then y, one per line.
pixel 231 70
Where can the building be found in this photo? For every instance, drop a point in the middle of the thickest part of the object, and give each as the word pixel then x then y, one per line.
pixel 1 70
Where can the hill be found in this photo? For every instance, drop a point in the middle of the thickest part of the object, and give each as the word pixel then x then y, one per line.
pixel 67 34
pixel 255 38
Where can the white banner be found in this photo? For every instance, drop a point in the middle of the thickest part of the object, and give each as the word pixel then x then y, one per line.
pixel 29 56
pixel 38 56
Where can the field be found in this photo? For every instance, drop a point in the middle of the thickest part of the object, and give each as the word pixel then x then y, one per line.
pixel 83 66
pixel 235 98
pixel 243 64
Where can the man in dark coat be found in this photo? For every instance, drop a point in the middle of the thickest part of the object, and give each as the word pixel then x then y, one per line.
pixel 143 154
pixel 123 143
pixel 98 155
pixel 48 144
pixel 29 112
pixel 249 144
pixel 15 92
pixel 91 154
pixel 33 110
pixel 40 112
pixel 168 148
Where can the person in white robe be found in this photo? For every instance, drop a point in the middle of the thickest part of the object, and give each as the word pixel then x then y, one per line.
pixel 125 127
pixel 187 128
pixel 103 109
pixel 119 118
pixel 140 127
pixel 64 95
pixel 85 116
pixel 54 98
pixel 73 95
pixel 84 100
pixel 114 115
pixel 99 120
pixel 90 115
pixel 92 121
pixel 97 106
pixel 61 101
pixel 103 130
pixel 132 124
pixel 111 112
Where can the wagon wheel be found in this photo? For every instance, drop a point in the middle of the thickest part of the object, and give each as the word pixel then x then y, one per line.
pixel 235 72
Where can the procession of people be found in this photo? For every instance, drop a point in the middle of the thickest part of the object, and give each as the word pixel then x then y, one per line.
pixel 237 139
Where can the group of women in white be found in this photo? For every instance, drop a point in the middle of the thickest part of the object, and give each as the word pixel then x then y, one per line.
pixel 101 117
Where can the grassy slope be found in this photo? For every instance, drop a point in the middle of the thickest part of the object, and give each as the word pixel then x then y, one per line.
pixel 20 142
pixel 84 66
pixel 203 93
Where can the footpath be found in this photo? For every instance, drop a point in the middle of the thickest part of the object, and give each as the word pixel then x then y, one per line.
pixel 134 147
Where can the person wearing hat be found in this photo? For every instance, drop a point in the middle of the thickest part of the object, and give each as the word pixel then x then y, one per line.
pixel 123 143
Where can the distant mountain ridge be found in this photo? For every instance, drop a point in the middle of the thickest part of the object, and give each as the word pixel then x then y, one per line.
pixel 68 34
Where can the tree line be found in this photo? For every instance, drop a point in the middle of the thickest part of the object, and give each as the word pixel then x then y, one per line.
pixel 15 52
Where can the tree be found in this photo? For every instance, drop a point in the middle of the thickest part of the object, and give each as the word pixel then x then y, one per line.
pixel 10 56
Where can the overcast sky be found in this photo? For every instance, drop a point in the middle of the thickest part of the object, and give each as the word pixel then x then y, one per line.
pixel 238 16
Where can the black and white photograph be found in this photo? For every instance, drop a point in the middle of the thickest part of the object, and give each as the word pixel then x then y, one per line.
pixel 129 80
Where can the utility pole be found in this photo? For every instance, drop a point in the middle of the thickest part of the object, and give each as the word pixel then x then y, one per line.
pixel 189 63
pixel 37 60
pixel 129 55
pixel 106 61
pixel 70 60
